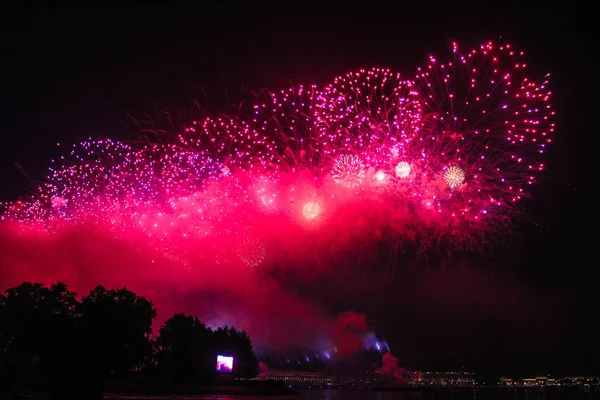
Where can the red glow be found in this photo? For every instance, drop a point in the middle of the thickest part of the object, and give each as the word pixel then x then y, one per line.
pixel 379 153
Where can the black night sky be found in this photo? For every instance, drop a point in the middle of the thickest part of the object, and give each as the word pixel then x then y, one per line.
pixel 71 73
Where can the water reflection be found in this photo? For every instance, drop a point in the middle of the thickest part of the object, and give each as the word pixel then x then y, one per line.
pixel 334 394
pixel 479 394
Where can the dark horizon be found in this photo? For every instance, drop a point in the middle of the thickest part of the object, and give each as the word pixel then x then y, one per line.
pixel 75 72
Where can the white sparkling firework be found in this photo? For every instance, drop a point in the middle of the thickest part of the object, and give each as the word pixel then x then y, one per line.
pixel 402 169
pixel 311 210
pixel 380 176
pixel 348 170
pixel 454 176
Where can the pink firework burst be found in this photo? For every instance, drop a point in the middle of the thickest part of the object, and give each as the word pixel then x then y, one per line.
pixel 485 117
pixel 372 113
pixel 439 158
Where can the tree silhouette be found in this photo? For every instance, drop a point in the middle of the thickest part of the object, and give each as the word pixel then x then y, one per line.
pixel 51 342
pixel 237 344
pixel 185 350
pixel 38 334
pixel 115 329
pixel 188 350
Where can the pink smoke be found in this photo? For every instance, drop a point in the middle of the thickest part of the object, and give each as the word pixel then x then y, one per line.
pixel 226 294
pixel 263 370
pixel 348 332
pixel 390 369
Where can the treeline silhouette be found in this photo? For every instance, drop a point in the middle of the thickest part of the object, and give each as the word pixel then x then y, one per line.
pixel 53 343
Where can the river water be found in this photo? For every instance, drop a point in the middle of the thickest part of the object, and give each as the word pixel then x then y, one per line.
pixel 333 394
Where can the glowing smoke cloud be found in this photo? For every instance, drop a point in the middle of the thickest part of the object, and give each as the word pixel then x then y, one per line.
pixel 390 368
pixel 348 333
pixel 308 180
pixel 230 295
pixel 263 370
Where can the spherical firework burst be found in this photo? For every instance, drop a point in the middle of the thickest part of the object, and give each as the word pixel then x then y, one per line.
pixel 348 170
pixel 402 169
pixel 252 252
pixel 311 210
pixel 483 112
pixel 367 113
pixel 454 176
pixel 380 176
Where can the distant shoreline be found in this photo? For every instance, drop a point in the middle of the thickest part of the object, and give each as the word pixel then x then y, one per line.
pixel 165 396
pixel 404 389
pixel 166 391
pixel 158 393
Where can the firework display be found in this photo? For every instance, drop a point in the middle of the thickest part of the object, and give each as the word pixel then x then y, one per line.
pixel 454 176
pixel 402 169
pixel 442 156
pixel 349 171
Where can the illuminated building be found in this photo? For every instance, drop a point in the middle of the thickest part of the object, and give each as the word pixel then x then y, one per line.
pixel 581 381
pixel 508 382
pixel 322 379
pixel 300 377
pixel 454 379
pixel 544 381
pixel 536 381
pixel 425 379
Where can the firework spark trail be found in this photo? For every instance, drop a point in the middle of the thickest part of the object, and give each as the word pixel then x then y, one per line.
pixel 459 141
pixel 289 120
pixel 443 157
pixel 369 113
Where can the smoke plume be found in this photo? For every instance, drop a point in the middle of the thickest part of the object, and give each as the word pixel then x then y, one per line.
pixel 263 370
pixel 348 332
pixel 226 294
pixel 390 369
